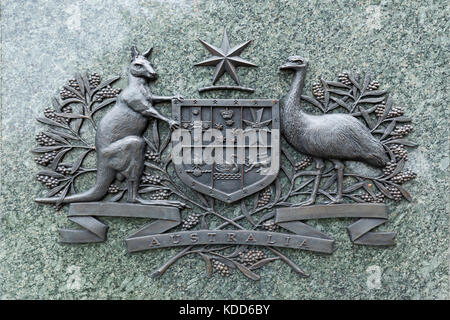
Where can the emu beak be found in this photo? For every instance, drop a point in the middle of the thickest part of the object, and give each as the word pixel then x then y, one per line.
pixel 290 65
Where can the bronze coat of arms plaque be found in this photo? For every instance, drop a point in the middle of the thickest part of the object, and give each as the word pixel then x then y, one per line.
pixel 278 165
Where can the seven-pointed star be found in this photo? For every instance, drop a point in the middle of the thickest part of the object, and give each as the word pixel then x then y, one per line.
pixel 225 59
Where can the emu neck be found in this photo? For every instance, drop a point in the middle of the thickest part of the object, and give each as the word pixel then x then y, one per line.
pixel 295 92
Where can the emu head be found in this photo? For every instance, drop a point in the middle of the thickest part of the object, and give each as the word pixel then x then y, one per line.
pixel 140 65
pixel 294 62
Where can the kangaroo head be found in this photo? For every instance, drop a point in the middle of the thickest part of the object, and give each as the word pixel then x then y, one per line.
pixel 140 65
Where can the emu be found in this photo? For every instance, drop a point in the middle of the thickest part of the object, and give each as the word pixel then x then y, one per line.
pixel 334 137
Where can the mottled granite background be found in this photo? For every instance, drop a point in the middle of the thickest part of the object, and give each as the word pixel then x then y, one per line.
pixel 404 43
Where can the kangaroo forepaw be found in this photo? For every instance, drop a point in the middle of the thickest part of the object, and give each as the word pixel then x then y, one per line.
pixel 173 124
pixel 178 98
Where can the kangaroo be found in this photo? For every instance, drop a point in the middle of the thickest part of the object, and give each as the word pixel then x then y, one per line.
pixel 119 139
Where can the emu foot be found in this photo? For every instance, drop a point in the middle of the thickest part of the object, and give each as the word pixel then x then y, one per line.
pixel 308 202
pixel 336 200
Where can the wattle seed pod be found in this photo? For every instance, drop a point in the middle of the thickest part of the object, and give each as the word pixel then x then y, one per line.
pixel 191 221
pixel 113 189
pixel 66 109
pixel 318 90
pixel 221 268
pixel 46 158
pixel 399 151
pixel 74 84
pixel 250 257
pixel 49 182
pixel 379 110
pixel 44 140
pixel 304 163
pixel 264 197
pixel 160 195
pixel 50 113
pixel 379 197
pixel 63 169
pixel 396 194
pixel 389 168
pixel 107 93
pixel 94 80
pixel 373 85
pixel 395 112
pixel 151 179
pixel 402 130
pixel 344 78
pixel 270 225
pixel 152 156
pixel 404 176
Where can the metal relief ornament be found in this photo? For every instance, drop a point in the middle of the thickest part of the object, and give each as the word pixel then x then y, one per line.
pixel 225 150
pixel 228 181
pixel 225 59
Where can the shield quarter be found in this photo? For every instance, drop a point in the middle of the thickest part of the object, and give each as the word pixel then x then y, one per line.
pixel 239 173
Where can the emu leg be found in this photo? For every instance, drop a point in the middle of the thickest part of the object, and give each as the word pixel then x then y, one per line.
pixel 339 166
pixel 312 199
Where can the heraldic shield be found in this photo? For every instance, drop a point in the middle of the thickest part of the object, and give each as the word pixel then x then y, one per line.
pixel 241 138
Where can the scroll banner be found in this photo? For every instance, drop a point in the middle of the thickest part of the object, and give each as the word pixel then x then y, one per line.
pixel 229 237
pixel 372 216
pixel 303 236
pixel 83 213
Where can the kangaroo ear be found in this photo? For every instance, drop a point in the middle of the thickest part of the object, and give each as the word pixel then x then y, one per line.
pixel 148 53
pixel 134 52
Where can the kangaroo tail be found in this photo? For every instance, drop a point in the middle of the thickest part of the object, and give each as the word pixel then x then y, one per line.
pixel 97 192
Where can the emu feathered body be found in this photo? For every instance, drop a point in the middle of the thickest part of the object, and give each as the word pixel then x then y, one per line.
pixel 334 136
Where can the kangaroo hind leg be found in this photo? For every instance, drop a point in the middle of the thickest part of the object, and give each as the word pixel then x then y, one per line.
pixel 126 156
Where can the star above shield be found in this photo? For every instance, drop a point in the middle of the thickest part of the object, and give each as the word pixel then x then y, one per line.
pixel 225 59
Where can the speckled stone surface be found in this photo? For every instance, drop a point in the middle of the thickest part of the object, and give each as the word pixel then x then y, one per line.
pixel 45 42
